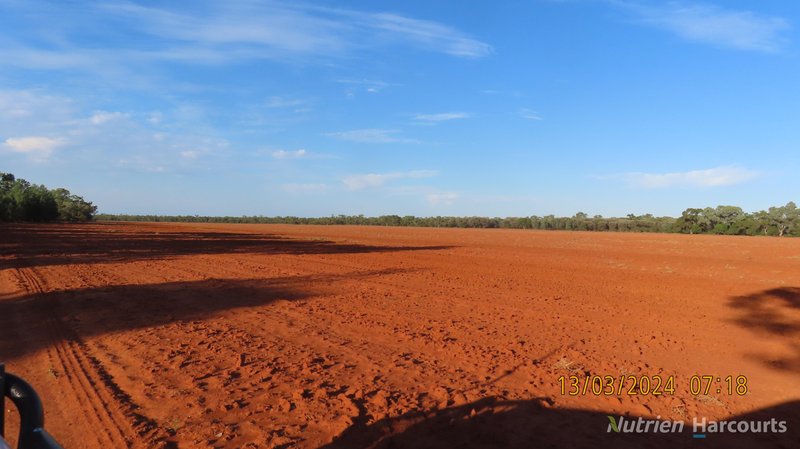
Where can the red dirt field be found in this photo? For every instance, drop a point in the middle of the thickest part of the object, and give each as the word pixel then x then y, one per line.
pixel 267 336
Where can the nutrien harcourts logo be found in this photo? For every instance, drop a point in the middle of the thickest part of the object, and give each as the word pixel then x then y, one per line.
pixel 700 427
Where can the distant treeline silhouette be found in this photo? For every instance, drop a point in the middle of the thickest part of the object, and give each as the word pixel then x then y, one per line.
pixel 23 201
pixel 730 220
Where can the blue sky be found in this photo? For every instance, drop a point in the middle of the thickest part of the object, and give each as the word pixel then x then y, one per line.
pixel 506 108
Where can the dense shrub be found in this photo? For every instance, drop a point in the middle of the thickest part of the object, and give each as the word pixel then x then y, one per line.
pixel 23 201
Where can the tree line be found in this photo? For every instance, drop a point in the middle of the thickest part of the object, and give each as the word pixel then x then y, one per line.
pixel 732 220
pixel 22 201
pixel 728 220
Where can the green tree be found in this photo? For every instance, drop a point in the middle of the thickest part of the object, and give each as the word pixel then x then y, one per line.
pixel 784 218
pixel 73 207
pixel 23 201
pixel 7 203
pixel 689 221
pixel 35 203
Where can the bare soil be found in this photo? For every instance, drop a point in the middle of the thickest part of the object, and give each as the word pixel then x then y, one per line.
pixel 268 336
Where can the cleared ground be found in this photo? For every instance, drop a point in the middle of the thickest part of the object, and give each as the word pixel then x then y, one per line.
pixel 262 336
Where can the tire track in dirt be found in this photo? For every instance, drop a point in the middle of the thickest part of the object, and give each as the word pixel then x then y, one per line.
pixel 107 409
pixel 108 432
pixel 29 280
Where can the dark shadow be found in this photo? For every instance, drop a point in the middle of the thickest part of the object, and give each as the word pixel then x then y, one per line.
pixel 28 245
pixel 35 321
pixel 773 314
pixel 491 424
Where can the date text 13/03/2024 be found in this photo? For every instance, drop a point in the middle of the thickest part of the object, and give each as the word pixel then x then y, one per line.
pixel 600 385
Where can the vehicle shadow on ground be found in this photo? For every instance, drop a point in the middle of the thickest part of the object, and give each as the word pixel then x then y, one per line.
pixel 32 245
pixel 36 321
pixel 773 314
pixel 491 423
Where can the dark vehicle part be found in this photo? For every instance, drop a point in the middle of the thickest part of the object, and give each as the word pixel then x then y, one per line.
pixel 31 414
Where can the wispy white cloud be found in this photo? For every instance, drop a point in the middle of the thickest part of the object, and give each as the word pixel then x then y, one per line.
pixel 441 117
pixel 442 199
pixel 428 34
pixel 501 92
pixel 49 128
pixel 358 182
pixel 370 135
pixel 220 32
pixel 713 177
pixel 281 102
pixel 284 154
pixel 275 113
pixel 18 106
pixel 296 104
pixel 154 118
pixel 21 55
pixel 265 29
pixel 38 148
pixel 709 24
pixel 141 163
pixel 369 86
pixel 529 114
pixel 100 117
